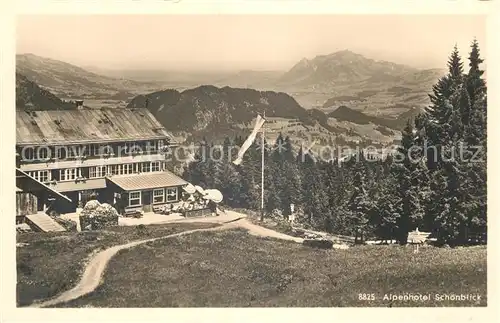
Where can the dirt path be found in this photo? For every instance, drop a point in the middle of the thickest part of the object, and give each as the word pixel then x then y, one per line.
pixel 94 270
pixel 257 230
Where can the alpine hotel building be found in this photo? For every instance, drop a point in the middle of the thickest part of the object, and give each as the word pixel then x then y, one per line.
pixel 119 155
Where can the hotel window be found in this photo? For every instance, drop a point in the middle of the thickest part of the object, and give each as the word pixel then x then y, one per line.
pixel 99 171
pixel 60 152
pixel 113 170
pixel 152 146
pixel 172 194
pixel 43 153
pixel 68 174
pixel 160 145
pixel 41 175
pixel 155 166
pixel 94 150
pixel 124 149
pixel 136 149
pixel 28 153
pixel 131 147
pixel 137 167
pixel 134 199
pixel 106 150
pixel 84 150
pixel 73 151
pixel 128 169
pixel 158 196
pixel 119 169
pixel 146 167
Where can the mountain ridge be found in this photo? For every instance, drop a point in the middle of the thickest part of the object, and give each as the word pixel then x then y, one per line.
pixel 384 88
pixel 30 96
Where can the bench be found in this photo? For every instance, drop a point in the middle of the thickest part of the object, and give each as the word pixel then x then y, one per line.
pixel 197 213
pixel 136 213
pixel 163 209
pixel 159 208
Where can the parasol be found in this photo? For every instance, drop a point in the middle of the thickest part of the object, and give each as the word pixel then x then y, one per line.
pixel 189 188
pixel 199 189
pixel 213 195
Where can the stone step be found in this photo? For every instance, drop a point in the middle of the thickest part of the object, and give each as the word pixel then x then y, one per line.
pixel 44 222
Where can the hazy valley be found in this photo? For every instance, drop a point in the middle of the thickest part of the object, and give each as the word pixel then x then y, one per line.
pixel 341 98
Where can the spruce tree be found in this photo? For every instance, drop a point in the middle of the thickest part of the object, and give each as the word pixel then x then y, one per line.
pixel 387 210
pixel 455 68
pixel 359 207
pixel 314 200
pixel 476 85
pixel 408 170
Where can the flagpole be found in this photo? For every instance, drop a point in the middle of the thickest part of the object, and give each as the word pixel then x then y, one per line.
pixel 262 172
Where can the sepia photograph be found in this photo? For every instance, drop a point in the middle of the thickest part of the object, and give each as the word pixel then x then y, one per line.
pixel 167 161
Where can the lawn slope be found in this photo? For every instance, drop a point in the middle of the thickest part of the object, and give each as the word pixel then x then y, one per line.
pixel 51 263
pixel 235 269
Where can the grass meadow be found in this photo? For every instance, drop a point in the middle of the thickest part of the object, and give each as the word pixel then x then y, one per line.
pixel 235 269
pixel 50 263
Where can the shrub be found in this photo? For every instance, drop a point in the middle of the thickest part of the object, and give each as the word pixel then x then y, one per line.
pixel 318 243
pixel 68 225
pixel 95 216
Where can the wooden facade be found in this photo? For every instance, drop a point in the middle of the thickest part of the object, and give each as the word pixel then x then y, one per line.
pixel 74 152
pixel 146 192
pixel 26 203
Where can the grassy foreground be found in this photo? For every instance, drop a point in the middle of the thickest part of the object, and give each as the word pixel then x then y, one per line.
pixel 233 268
pixel 51 263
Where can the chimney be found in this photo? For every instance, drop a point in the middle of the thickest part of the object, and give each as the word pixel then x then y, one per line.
pixel 79 104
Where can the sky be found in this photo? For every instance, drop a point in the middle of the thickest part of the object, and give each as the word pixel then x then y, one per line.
pixel 237 42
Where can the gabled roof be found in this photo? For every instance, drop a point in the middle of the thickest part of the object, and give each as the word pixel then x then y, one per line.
pixel 137 182
pixel 86 126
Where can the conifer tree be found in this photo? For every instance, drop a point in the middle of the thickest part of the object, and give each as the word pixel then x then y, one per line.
pixel 476 85
pixel 359 207
pixel 314 199
pixel 455 68
pixel 387 210
pixel 408 169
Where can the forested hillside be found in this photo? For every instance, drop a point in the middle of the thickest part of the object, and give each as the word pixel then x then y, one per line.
pixel 31 96
pixel 436 181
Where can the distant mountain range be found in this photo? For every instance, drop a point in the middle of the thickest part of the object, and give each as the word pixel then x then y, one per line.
pixel 70 81
pixel 342 67
pixel 348 78
pixel 325 82
pixel 213 113
pixel 341 97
